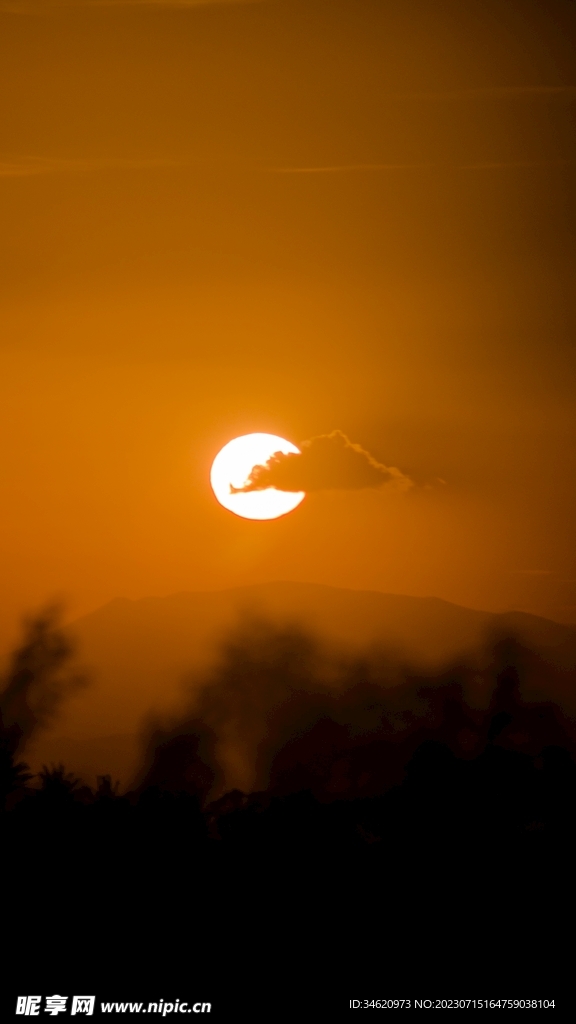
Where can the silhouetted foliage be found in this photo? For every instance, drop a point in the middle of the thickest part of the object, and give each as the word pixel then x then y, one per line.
pixel 35 684
pixel 13 774
pixel 31 694
pixel 279 714
pixel 57 784
pixel 391 801
pixel 174 761
pixel 106 789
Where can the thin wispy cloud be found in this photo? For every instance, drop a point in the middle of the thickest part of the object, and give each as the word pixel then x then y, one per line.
pixel 35 166
pixel 41 6
pixel 31 166
pixel 335 168
pixel 486 166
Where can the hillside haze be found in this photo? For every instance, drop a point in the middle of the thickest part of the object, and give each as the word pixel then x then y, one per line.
pixel 139 653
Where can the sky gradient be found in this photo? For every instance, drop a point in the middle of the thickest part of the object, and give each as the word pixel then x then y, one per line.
pixel 296 217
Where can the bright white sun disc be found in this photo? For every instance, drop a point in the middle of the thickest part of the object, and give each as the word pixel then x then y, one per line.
pixel 232 467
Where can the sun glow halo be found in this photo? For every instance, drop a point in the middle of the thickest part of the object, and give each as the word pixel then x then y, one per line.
pixel 232 467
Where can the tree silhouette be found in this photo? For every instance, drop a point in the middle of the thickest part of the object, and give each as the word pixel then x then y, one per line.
pixel 13 774
pixel 32 691
pixel 35 683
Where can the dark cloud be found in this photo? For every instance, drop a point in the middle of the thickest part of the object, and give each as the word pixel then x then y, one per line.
pixel 327 462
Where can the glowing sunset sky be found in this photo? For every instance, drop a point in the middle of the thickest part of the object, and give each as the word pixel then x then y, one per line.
pixel 292 217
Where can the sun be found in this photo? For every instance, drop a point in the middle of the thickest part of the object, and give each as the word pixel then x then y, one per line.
pixel 232 467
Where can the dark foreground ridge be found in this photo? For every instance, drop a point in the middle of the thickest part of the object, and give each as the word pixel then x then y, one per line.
pixel 407 840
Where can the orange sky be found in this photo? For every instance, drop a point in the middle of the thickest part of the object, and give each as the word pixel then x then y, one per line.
pixel 292 216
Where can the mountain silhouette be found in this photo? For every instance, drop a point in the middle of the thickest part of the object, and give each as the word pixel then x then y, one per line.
pixel 138 653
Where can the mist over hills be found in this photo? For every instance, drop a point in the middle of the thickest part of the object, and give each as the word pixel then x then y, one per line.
pixel 139 653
